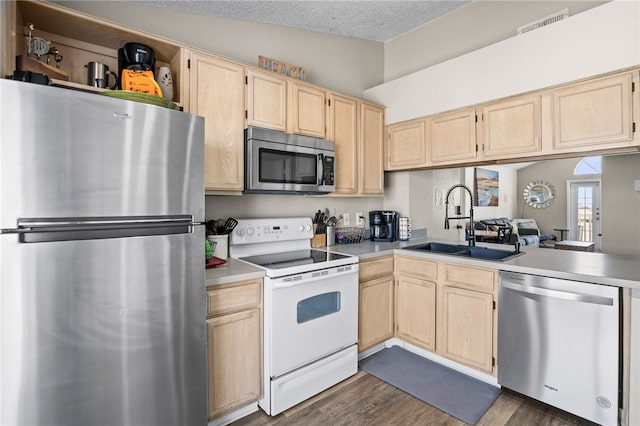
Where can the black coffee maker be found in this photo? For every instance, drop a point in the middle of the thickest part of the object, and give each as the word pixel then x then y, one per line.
pixel 136 56
pixel 383 225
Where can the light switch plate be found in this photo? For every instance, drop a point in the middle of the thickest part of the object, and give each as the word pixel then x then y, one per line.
pixel 346 219
pixel 636 185
pixel 359 219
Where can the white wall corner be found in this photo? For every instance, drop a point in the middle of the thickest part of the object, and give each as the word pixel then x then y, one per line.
pixel 603 39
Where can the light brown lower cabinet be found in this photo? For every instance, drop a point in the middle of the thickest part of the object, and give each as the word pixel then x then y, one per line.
pixel 466 315
pixel 375 323
pixel 234 346
pixel 466 321
pixel 376 312
pixel 416 312
pixel 443 307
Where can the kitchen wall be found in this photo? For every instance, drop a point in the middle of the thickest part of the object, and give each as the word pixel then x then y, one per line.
pixel 421 196
pixel 599 40
pixel 344 64
pixel 620 205
pixel 556 172
pixel 449 36
pixel 620 202
pixel 257 205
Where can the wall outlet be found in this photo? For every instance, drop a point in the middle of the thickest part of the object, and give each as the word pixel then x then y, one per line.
pixel 359 219
pixel 346 219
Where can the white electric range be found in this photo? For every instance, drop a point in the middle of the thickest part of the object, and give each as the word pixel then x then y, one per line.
pixel 310 309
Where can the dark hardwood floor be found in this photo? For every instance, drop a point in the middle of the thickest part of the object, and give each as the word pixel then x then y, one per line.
pixel 365 400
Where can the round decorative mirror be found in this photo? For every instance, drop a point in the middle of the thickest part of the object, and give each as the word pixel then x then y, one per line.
pixel 539 194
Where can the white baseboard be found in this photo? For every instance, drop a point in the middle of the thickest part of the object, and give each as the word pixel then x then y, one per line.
pixel 234 415
pixel 492 380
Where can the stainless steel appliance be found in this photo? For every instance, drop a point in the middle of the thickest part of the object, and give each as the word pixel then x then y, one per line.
pixel 277 162
pixel 102 301
pixel 310 309
pixel 383 225
pixel 558 342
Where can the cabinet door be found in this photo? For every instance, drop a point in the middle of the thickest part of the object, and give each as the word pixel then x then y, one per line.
pixel 371 148
pixel 407 145
pixel 375 324
pixel 511 128
pixel 593 113
pixel 453 136
pixel 266 100
pixel 466 327
pixel 306 110
pixel 234 361
pixel 217 94
pixel 416 312
pixel 342 129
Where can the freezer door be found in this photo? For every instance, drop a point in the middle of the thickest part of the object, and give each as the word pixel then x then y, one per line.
pixel 65 153
pixel 103 332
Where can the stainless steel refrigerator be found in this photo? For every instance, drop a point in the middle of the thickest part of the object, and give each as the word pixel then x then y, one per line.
pixel 102 301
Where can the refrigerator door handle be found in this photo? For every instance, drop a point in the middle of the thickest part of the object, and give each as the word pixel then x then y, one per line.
pixel 38 230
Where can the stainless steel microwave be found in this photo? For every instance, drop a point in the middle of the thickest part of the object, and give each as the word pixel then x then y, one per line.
pixel 277 162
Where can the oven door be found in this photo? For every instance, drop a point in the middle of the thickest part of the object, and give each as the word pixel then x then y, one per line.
pixel 278 167
pixel 310 316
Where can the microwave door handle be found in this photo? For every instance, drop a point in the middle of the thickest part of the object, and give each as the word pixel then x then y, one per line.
pixel 321 167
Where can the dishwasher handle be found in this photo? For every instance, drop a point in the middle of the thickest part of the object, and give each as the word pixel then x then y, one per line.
pixel 557 294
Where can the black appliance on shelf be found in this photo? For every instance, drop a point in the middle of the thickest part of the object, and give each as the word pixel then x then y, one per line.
pixel 383 225
pixel 136 56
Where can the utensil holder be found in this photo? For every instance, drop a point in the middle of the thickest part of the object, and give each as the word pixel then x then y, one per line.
pixel 319 240
pixel 222 245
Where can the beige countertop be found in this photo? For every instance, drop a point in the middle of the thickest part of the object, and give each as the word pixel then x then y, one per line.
pixel 597 268
pixel 232 271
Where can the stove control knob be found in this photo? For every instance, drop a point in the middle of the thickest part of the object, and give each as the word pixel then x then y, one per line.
pixel 300 228
pixel 307 228
pixel 250 232
pixel 240 232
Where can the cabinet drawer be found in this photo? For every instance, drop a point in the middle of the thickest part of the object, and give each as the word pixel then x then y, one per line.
pixel 379 267
pixel 418 268
pixel 470 277
pixel 234 297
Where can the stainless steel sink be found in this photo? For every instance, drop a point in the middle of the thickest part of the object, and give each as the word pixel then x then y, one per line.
pixel 460 250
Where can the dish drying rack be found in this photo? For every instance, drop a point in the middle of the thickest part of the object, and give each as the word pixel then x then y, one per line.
pixel 350 235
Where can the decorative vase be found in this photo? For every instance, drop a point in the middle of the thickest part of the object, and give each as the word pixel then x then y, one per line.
pixel 165 82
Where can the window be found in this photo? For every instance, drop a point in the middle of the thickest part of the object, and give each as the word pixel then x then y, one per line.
pixel 589 166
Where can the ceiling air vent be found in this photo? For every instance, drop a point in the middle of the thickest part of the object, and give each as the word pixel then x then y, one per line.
pixel 558 16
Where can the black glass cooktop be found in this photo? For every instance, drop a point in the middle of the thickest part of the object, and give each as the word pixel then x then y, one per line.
pixel 293 258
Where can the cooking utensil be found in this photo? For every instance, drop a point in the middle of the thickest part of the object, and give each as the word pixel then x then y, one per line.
pixel 229 225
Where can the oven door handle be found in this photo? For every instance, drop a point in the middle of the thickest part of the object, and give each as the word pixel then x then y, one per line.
pixel 321 167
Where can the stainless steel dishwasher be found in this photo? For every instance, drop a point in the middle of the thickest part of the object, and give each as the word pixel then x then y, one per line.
pixel 559 341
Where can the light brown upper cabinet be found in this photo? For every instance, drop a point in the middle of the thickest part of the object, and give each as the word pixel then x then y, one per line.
pixel 216 92
pixel 371 149
pixel 266 100
pixel 453 136
pixel 342 129
pixel 593 114
pixel 357 129
pixel 511 128
pixel 406 145
pixel 306 110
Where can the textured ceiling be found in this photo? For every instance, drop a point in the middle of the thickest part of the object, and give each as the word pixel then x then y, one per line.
pixel 370 20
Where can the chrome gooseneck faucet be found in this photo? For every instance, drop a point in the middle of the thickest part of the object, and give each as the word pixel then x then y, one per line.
pixel 469 234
